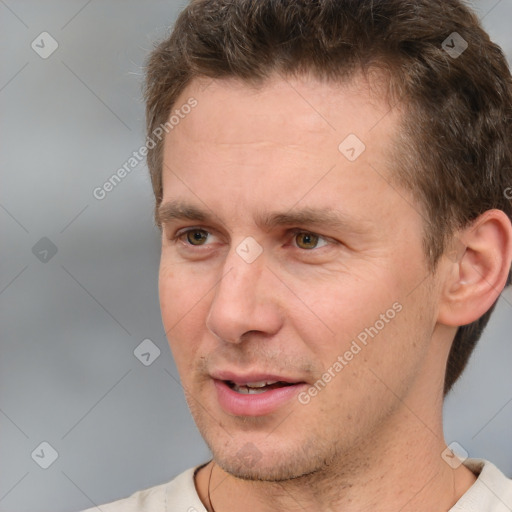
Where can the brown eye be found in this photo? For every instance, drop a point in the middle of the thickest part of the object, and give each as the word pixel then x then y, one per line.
pixel 307 240
pixel 196 236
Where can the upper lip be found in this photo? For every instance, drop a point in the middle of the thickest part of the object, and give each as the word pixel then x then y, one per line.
pixel 245 378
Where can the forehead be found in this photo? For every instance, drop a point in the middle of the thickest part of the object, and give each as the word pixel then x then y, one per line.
pixel 290 140
pixel 230 111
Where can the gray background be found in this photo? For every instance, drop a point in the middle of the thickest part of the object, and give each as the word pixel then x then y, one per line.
pixel 69 326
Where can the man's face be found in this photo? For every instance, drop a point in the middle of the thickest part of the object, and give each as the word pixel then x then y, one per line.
pixel 289 256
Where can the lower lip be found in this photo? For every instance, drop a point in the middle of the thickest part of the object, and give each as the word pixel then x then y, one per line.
pixel 257 404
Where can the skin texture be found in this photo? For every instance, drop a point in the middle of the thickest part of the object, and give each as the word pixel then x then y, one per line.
pixel 372 437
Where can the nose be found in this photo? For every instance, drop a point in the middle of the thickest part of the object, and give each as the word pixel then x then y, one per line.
pixel 245 300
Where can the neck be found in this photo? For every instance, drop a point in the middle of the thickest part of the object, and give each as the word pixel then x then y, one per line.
pixel 398 468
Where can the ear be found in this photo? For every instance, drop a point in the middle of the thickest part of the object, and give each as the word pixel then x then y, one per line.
pixel 477 269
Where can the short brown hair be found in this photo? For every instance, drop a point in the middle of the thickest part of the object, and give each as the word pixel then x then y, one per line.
pixel 454 148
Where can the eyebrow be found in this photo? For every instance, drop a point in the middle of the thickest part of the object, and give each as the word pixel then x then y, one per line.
pixel 178 210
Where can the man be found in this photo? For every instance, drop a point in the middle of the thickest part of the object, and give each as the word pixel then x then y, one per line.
pixel 331 188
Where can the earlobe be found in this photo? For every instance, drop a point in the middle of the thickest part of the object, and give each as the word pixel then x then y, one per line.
pixel 478 268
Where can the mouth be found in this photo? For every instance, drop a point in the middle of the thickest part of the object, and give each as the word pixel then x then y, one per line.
pixel 255 394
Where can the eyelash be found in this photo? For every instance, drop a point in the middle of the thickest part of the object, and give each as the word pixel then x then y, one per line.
pixel 181 234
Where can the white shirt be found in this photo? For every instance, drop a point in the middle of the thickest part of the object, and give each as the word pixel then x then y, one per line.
pixel 491 492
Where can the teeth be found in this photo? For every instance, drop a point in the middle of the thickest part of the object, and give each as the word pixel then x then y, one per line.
pixel 252 388
pixel 260 384
pixel 244 390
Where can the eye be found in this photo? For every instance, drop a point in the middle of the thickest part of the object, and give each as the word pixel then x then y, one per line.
pixel 308 241
pixel 195 236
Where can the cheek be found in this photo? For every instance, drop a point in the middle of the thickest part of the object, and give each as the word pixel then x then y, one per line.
pixel 334 311
pixel 360 332
pixel 181 290
pixel 184 306
pixel 169 284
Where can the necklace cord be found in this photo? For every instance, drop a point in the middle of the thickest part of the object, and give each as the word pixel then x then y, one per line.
pixel 209 482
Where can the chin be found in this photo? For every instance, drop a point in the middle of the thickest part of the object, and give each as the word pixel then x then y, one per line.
pixel 265 465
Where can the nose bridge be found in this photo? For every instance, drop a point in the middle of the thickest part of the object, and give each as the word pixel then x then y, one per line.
pixel 239 281
pixel 241 302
